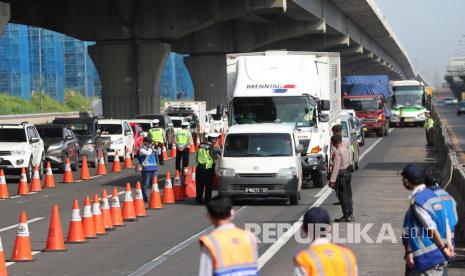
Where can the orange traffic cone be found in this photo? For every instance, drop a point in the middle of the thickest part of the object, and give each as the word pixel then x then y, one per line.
pixel 139 205
pixel 155 199
pixel 55 241
pixel 85 174
pixel 3 189
pixel 127 160
pixel 49 181
pixel 173 150
pixel 68 174
pixel 22 250
pixel 177 188
pixel 88 225
pixel 105 209
pixel 189 184
pixel 36 186
pixel 102 167
pixel 221 138
pixel 3 270
pixel 75 230
pixel 115 209
pixel 192 147
pixel 116 164
pixel 168 194
pixel 23 188
pixel 164 153
pixel 129 213
pixel 98 218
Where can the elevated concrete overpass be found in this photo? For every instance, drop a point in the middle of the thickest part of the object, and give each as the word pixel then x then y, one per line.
pixel 134 37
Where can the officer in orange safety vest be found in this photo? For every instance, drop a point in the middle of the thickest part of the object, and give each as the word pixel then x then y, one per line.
pixel 322 257
pixel 227 250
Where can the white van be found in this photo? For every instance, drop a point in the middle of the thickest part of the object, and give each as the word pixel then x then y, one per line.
pixel 121 136
pixel 261 160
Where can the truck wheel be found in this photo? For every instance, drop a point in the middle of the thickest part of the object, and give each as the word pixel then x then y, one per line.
pixel 380 132
pixel 319 179
pixel 294 199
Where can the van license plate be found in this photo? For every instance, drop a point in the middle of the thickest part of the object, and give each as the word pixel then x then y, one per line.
pixel 256 190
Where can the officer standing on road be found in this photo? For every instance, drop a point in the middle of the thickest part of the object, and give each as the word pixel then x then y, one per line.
pixel 429 124
pixel 433 178
pixel 183 139
pixel 157 134
pixel 424 232
pixel 227 250
pixel 206 155
pixel 341 178
pixel 148 159
pixel 322 257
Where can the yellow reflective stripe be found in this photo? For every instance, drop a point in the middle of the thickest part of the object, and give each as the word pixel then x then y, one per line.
pixel 316 259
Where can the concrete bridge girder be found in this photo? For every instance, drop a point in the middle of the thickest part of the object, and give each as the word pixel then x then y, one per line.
pixel 4 16
pixel 318 42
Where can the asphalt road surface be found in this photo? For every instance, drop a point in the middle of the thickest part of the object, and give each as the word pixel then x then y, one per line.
pixel 166 242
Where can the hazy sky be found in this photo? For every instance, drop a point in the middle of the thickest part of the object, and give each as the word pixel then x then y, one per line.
pixel 429 30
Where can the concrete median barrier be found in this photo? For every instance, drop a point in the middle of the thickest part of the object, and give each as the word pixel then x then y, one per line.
pixel 41 118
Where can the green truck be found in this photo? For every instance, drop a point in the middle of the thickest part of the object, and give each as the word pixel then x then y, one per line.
pixel 408 103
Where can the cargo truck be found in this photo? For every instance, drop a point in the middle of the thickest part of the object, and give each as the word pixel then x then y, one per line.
pixel 370 97
pixel 297 88
pixel 408 102
pixel 195 112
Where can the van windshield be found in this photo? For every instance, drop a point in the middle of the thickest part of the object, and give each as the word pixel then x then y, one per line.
pixel 110 129
pixel 258 145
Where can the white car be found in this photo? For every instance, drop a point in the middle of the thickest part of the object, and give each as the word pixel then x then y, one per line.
pixel 21 147
pixel 349 136
pixel 120 134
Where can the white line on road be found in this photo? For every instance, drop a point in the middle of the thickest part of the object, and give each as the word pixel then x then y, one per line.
pixel 173 251
pixel 323 195
pixel 16 225
pixel 322 191
pixel 11 263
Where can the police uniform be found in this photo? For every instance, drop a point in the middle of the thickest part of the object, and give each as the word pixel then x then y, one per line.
pixel 183 139
pixel 325 258
pixel 342 177
pixel 205 170
pixel 228 250
pixel 429 124
pixel 157 134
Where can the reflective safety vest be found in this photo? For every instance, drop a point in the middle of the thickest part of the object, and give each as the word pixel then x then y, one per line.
pixel 182 137
pixel 450 206
pixel 204 157
pixel 327 259
pixel 156 134
pixel 425 252
pixel 429 123
pixel 233 252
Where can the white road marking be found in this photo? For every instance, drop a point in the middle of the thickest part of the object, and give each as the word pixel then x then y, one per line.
pixel 119 193
pixel 323 195
pixel 16 225
pixel 12 263
pixel 15 196
pixel 323 190
pixel 173 251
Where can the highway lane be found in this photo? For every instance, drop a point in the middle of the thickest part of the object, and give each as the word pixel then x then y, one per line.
pixel 456 127
pixel 130 247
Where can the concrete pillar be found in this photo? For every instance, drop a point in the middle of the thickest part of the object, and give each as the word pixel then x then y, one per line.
pixel 123 94
pixel 208 73
pixel 4 16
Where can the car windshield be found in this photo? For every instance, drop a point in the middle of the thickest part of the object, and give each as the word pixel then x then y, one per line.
pixel 110 129
pixel 176 122
pixel 258 145
pixel 363 104
pixel 81 128
pixel 408 95
pixel 50 132
pixel 12 135
pixel 345 129
pixel 297 110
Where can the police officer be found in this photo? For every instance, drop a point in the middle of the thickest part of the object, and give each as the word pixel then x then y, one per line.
pixel 183 139
pixel 341 178
pixel 322 257
pixel 157 134
pixel 425 227
pixel 429 124
pixel 227 250
pixel 206 155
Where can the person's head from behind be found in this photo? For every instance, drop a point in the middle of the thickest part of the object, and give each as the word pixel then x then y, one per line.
pixel 412 176
pixel 147 141
pixel 337 129
pixel 433 177
pixel 316 223
pixel 220 210
pixel 336 140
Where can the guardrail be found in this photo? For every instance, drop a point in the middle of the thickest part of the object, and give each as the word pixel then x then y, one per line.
pixel 41 118
pixel 453 171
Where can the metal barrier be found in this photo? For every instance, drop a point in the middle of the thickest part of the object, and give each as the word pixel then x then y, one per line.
pixel 41 118
pixel 453 171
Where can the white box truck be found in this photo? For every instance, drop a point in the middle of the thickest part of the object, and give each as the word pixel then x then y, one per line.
pixel 193 111
pixel 298 88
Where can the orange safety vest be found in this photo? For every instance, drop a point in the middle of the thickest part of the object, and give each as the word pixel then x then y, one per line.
pixel 233 250
pixel 327 259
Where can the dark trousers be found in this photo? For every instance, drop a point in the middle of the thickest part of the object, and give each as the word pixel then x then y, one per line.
pixel 429 136
pixel 184 155
pixel 146 182
pixel 204 181
pixel 344 192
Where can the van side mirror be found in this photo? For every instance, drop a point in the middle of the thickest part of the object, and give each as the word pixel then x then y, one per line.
pixel 323 118
pixel 170 125
pixel 299 148
pixel 34 140
pixel 324 105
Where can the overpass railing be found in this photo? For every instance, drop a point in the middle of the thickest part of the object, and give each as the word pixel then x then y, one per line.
pixel 41 118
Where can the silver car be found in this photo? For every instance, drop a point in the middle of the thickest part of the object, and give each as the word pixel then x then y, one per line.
pixel 349 136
